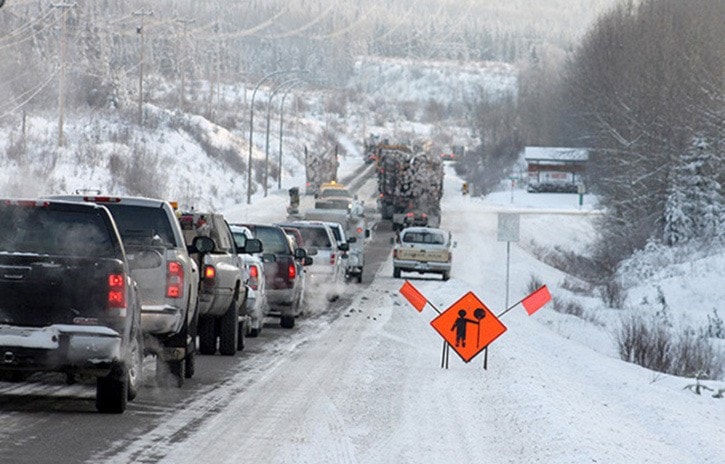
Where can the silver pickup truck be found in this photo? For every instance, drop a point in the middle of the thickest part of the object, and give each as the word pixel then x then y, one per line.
pixel 167 277
pixel 223 289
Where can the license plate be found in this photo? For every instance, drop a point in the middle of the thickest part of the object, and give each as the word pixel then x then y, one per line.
pixel 28 337
pixel 422 266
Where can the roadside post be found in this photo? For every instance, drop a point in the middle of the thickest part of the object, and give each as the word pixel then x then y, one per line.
pixel 508 231
pixel 581 190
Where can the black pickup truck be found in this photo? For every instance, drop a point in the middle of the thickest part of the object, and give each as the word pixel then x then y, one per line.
pixel 67 301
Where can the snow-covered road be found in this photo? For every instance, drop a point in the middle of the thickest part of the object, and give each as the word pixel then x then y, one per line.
pixel 368 388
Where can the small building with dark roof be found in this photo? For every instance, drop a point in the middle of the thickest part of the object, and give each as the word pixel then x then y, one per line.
pixel 555 169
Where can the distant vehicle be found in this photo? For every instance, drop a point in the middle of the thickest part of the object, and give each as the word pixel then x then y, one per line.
pixel 222 290
pixel 168 278
pixel 328 267
pixel 448 156
pixel 256 307
pixel 68 302
pixel 423 250
pixel 409 181
pixel 284 284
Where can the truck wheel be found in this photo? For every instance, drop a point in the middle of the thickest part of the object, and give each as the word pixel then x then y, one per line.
pixel 240 335
pixel 446 275
pixel 228 330
pixel 112 392
pixel 396 272
pixel 177 371
pixel 135 366
pixel 207 335
pixel 359 276
pixel 253 333
pixel 190 358
pixel 287 322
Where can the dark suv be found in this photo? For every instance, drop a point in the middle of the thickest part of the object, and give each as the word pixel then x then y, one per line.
pixel 284 285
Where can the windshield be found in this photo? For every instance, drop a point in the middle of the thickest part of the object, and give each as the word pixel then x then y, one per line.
pixel 53 232
pixel 141 225
pixel 335 192
pixel 315 237
pixel 273 240
pixel 424 237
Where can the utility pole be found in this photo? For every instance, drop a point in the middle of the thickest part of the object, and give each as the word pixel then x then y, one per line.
pixel 185 22
pixel 140 31
pixel 61 67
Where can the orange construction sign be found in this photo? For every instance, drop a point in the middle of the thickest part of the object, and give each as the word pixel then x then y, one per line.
pixel 468 326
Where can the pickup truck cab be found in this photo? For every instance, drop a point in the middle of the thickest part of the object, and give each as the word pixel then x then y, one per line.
pixel 222 291
pixel 167 277
pixel 68 302
pixel 423 250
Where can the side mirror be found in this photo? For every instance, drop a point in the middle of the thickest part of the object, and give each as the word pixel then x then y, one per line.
pixel 300 253
pixel 352 240
pixel 367 233
pixel 203 244
pixel 307 261
pixel 343 247
pixel 252 245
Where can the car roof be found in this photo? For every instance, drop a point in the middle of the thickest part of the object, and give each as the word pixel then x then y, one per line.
pixel 116 199
pixel 424 229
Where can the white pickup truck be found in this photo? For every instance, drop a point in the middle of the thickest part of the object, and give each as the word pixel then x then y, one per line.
pixel 423 250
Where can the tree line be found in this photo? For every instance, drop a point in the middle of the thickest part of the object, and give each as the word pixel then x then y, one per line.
pixel 644 92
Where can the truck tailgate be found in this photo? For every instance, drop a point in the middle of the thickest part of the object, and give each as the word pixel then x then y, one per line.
pixel 37 291
pixel 423 254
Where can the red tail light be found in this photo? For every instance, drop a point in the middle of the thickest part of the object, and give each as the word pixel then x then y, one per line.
pixel 395 254
pixel 254 277
pixel 359 230
pixel 209 275
pixel 174 280
pixel 117 294
pixel 27 203
pixel 291 271
pixel 409 214
pixel 102 199
pixel 332 259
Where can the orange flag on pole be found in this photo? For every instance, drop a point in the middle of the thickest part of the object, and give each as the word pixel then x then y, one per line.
pixel 413 296
pixel 536 300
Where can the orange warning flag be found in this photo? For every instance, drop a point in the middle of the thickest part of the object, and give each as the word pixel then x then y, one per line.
pixel 536 300
pixel 413 296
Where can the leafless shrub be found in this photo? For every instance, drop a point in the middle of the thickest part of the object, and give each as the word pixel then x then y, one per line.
pixel 652 344
pixel 534 283
pixel 612 293
pixel 576 286
pixel 143 175
pixel 563 306
pixel 15 150
pixel 336 104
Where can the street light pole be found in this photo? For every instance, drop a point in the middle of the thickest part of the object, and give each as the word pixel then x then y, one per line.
pixel 251 127
pixel 281 121
pixel 266 146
